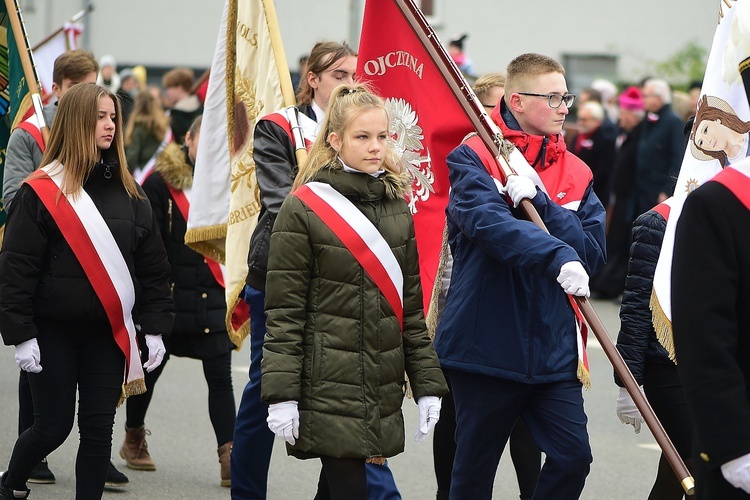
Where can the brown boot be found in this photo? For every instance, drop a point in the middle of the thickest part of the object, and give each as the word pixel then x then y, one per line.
pixel 225 451
pixel 135 449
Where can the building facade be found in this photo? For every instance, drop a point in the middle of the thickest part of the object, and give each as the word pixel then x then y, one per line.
pixel 620 41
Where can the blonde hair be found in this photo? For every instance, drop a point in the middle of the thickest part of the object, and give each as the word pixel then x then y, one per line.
pixel 487 82
pixel 72 140
pixel 148 113
pixel 524 69
pixel 347 102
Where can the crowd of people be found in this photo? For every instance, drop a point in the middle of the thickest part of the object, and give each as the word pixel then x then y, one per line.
pixel 334 291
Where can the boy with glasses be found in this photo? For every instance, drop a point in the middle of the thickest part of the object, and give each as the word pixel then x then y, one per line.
pixel 509 338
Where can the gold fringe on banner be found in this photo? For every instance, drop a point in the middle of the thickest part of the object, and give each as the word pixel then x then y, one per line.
pixel 204 241
pixel 662 327
pixel 432 312
pixel 236 336
pixel 583 375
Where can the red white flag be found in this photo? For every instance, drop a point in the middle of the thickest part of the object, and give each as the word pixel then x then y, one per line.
pixel 427 121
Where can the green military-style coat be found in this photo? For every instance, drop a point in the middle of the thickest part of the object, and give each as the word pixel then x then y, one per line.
pixel 333 343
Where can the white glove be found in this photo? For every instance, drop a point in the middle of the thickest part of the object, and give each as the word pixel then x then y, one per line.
pixel 627 411
pixel 156 352
pixel 574 279
pixel 737 472
pixel 518 187
pixel 283 420
pixel 429 414
pixel 28 357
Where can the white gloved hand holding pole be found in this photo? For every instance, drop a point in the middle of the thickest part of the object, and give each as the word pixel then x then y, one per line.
pixel 737 472
pixel 518 187
pixel 627 412
pixel 156 352
pixel 574 279
pixel 429 414
pixel 28 357
pixel 283 420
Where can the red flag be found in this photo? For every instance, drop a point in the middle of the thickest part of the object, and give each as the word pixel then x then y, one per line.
pixel 427 120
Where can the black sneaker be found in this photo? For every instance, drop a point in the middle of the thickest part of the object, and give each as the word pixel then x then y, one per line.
pixel 41 474
pixel 8 494
pixel 115 478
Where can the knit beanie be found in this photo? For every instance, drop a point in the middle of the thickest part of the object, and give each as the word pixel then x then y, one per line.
pixel 631 99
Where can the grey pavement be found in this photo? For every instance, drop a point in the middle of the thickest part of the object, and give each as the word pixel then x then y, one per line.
pixel 184 448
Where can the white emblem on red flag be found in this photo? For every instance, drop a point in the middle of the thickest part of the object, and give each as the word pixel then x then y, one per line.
pixel 415 157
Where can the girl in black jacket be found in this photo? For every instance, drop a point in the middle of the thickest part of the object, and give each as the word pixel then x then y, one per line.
pixel 81 254
pixel 651 359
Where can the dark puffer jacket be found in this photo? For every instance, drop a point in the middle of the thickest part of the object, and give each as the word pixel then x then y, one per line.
pixel 333 342
pixel 199 298
pixel 637 340
pixel 41 277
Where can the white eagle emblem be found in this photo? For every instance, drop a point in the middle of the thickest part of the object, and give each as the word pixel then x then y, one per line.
pixel 407 141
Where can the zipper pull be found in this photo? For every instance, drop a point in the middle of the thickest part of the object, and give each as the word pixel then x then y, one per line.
pixel 107 172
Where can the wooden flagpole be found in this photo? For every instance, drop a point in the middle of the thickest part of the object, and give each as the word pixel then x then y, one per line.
pixel 287 90
pixel 492 137
pixel 29 72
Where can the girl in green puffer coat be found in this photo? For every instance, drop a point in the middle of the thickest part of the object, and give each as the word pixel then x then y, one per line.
pixel 345 319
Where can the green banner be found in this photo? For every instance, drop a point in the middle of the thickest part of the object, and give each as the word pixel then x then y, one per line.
pixel 14 93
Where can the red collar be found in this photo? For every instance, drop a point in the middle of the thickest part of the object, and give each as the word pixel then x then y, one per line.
pixel 531 145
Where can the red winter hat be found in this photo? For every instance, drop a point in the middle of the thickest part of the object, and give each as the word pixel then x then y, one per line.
pixel 631 99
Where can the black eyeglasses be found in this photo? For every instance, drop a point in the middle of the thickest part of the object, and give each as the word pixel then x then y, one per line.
pixel 555 100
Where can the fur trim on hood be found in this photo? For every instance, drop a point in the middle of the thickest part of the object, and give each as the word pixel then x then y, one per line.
pixel 174 167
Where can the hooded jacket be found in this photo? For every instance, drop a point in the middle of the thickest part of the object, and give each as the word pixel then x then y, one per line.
pixel 505 315
pixel 333 342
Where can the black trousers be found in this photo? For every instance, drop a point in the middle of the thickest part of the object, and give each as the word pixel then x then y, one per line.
pixel 221 407
pixel 342 479
pixel 82 357
pixel 664 391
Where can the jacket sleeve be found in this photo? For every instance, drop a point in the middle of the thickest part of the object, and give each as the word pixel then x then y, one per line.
pixel 636 328
pixel 582 229
pixel 275 165
pixel 152 270
pixel 422 365
pixel 22 157
pixel 22 259
pixel 289 275
pixel 484 216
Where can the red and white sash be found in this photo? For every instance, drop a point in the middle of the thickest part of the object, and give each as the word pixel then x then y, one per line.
pixel 182 200
pixel 141 174
pixel 285 119
pixel 361 238
pixel 88 235
pixel 736 178
pixel 33 127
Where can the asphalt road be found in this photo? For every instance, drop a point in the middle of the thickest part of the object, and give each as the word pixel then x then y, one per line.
pixel 184 449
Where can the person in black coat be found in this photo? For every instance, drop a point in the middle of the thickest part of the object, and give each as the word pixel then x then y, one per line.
pixel 651 359
pixel 609 282
pixel 711 321
pixel 80 258
pixel 200 328
pixel 595 145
